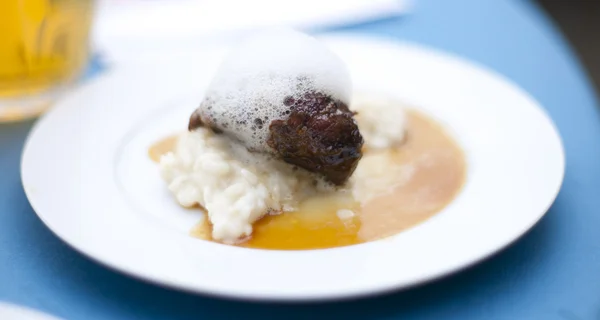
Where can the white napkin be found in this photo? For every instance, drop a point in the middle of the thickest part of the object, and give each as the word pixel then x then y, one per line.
pixel 129 29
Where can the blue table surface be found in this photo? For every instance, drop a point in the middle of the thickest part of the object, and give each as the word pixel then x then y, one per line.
pixel 553 272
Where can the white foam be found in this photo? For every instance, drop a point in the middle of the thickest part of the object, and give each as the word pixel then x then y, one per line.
pixel 252 83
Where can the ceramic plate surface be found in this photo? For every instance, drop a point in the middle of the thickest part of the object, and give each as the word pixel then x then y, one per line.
pixel 87 174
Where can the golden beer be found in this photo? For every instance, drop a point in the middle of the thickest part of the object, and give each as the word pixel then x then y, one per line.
pixel 43 47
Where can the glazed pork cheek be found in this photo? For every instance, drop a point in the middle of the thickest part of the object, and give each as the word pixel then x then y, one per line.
pixel 319 135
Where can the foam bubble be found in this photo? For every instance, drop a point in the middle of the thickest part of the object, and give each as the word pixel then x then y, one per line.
pixel 252 84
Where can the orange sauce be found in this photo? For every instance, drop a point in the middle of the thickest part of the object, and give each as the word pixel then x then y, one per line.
pixel 162 147
pixel 393 190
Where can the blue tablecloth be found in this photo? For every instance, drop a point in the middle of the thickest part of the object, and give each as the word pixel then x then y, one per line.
pixel 553 272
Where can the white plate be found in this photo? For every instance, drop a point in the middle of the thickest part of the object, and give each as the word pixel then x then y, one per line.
pixel 14 312
pixel 87 175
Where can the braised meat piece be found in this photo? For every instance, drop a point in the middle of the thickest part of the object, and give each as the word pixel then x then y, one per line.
pixel 319 135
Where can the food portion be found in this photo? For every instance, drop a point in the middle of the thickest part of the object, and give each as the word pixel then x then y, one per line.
pixel 391 190
pixel 284 93
pixel 279 156
pixel 273 128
